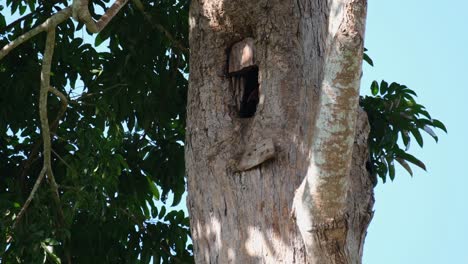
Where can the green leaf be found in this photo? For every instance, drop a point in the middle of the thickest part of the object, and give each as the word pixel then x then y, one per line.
pixel 368 59
pixel 162 212
pixel 382 168
pixel 31 5
pixel 177 198
pixel 374 88
pixel 430 132
pixel 405 165
pixel 98 40
pixel 393 87
pixel 417 136
pixel 383 87
pixel 2 21
pixel 69 147
pixel 153 188
pixel 22 9
pixel 412 159
pixel 406 139
pixel 122 161
pixel 391 168
pixel 439 124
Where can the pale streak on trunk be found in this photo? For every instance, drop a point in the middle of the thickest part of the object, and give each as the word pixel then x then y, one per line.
pixel 320 198
pixel 309 70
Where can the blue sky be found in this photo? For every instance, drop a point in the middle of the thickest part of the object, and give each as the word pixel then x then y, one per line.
pixel 423 44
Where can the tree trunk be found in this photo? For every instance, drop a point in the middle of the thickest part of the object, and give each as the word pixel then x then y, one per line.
pixel 273 174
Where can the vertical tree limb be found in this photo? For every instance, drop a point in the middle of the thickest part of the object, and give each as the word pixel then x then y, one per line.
pixel 45 87
pixel 45 131
pixel 320 201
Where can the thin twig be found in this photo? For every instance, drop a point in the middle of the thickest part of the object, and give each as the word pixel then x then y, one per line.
pixel 60 95
pixel 62 160
pixel 102 92
pixel 161 28
pixel 30 197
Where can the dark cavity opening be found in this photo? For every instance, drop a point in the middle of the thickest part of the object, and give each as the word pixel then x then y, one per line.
pixel 250 93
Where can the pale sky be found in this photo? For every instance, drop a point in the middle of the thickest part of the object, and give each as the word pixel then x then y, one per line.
pixel 423 44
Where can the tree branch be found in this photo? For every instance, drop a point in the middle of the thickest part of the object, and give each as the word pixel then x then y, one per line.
pixel 81 13
pixel 62 160
pixel 45 129
pixel 30 197
pixel 45 88
pixel 84 96
pixel 63 100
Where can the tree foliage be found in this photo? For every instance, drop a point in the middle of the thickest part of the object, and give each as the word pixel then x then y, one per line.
pixel 395 117
pixel 118 147
pixel 117 152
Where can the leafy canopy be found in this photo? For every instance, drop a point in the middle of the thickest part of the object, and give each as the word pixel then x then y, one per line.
pixel 394 116
pixel 118 151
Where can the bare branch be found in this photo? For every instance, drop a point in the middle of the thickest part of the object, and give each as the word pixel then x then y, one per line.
pixel 50 23
pixel 62 160
pixel 81 13
pixel 84 96
pixel 59 94
pixel 45 84
pixel 177 43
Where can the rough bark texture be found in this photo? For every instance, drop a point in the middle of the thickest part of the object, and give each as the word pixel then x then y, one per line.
pixel 246 215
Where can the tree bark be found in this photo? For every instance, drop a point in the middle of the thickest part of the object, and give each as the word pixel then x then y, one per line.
pixel 283 183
